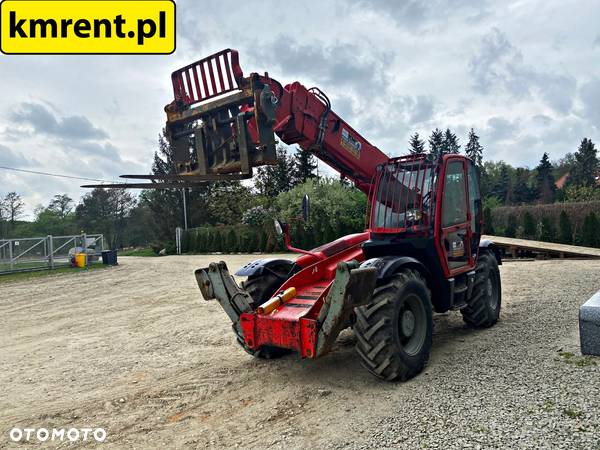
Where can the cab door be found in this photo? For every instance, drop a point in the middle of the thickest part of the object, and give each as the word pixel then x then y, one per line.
pixel 456 218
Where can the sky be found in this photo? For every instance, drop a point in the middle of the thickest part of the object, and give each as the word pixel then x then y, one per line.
pixel 524 74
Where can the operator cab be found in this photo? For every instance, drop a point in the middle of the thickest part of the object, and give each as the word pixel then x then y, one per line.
pixel 428 208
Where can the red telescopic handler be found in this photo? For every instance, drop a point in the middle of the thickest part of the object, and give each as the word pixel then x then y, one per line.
pixel 421 253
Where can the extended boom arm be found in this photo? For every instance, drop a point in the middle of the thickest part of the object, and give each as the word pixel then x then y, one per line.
pixel 222 124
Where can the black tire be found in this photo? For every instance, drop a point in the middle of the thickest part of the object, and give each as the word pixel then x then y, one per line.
pixel 394 332
pixel 483 308
pixel 261 288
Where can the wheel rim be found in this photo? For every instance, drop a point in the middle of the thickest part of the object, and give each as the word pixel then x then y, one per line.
pixel 491 293
pixel 412 325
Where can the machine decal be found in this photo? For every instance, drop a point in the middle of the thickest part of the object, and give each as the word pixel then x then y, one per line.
pixel 350 143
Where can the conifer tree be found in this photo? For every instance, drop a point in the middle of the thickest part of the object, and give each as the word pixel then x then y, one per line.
pixel 450 143
pixel 585 168
pixel 473 149
pixel 436 141
pixel 545 180
pixel 305 166
pixel 416 145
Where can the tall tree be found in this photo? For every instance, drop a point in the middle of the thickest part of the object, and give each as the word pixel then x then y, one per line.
pixel 305 166
pixel 3 218
pixel 585 168
pixel 271 180
pixel 166 205
pixel 503 189
pixel 3 211
pixel 105 211
pixel 522 191
pixel 61 204
pixel 436 142
pixel 473 149
pixel 416 145
pixel 14 205
pixel 450 143
pixel 546 188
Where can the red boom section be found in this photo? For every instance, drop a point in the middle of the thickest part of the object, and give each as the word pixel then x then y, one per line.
pixel 304 117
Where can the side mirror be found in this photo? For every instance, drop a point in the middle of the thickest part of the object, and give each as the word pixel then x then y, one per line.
pixel 278 227
pixel 306 207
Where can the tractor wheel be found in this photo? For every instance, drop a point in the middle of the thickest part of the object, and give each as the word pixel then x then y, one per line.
pixel 394 331
pixel 261 288
pixel 483 308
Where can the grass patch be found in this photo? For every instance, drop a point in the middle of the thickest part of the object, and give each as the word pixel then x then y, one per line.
pixel 144 251
pixel 573 413
pixel 23 265
pixel 548 405
pixel 22 276
pixel 578 361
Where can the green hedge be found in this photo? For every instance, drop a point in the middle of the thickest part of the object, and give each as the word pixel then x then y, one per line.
pixel 231 239
pixel 566 223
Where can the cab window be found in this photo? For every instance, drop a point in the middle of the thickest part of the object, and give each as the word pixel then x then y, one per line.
pixel 454 208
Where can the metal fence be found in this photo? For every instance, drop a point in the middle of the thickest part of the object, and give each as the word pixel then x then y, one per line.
pixel 39 253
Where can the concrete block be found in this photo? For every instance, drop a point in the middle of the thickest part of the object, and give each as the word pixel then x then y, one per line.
pixel 589 326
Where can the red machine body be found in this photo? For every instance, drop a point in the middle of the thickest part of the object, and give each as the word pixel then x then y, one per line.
pixel 294 324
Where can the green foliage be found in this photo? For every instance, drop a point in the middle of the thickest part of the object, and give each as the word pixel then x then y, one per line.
pixel 573 193
pixel 565 229
pixel 546 230
pixel 545 180
pixel 336 210
pixel 229 239
pixel 491 202
pixel 105 211
pixel 257 216
pixel 436 142
pixel 61 205
pixel 511 227
pixel 529 226
pixel 144 251
pixel 590 233
pixel 305 166
pixel 216 241
pixel 488 225
pixel 523 191
pixel 473 149
pixel 450 143
pixel 586 164
pixel 231 243
pixel 416 145
pixel 164 206
pixel 272 180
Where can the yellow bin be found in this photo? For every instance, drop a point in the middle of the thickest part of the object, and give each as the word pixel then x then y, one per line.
pixel 80 259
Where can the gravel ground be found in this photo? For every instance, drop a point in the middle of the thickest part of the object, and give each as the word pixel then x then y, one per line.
pixel 134 349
